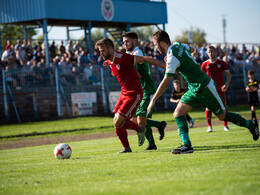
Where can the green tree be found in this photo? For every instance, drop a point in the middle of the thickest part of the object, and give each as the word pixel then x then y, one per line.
pixel 145 33
pixel 14 32
pixel 198 36
pixel 97 34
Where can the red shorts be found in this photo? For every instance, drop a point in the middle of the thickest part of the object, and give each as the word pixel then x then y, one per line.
pixel 126 105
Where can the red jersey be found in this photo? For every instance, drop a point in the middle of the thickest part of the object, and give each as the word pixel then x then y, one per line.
pixel 215 71
pixel 123 69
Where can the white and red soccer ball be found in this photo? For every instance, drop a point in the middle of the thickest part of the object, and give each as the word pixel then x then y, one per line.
pixel 62 151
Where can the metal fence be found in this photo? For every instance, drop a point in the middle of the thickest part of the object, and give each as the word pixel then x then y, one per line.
pixel 55 94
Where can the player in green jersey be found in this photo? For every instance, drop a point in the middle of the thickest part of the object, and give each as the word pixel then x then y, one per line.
pixel 201 89
pixel 130 40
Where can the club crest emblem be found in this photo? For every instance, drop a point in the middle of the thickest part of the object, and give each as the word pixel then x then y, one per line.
pixel 107 9
pixel 219 65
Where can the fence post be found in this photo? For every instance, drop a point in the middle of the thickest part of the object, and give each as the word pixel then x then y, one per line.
pixel 6 107
pixel 59 107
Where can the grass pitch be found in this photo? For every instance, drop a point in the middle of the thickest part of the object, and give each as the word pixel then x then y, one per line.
pixel 222 163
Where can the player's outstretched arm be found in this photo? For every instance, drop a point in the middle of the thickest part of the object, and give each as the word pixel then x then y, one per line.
pixel 150 60
pixel 162 87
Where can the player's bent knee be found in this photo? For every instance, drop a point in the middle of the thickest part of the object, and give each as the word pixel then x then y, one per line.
pixel 118 120
pixel 176 114
pixel 221 117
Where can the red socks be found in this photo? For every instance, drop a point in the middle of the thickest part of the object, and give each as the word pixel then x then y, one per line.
pixel 131 125
pixel 208 116
pixel 122 135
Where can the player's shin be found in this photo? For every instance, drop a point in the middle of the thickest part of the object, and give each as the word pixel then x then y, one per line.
pixel 153 123
pixel 149 135
pixel 122 135
pixel 183 130
pixel 237 120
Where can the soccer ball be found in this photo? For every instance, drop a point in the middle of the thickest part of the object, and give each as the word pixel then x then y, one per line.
pixel 62 151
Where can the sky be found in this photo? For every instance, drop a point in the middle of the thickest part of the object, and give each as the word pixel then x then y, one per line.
pixel 242 18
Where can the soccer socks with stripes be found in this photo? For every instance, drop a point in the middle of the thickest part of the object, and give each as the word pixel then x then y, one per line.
pixel 122 135
pixel 208 116
pixel 183 130
pixel 153 123
pixel 149 135
pixel 238 120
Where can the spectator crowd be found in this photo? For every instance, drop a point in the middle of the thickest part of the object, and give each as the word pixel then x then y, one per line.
pixel 25 63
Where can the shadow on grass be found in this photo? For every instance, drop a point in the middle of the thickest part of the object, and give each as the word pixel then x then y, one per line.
pixel 225 147
pixel 80 158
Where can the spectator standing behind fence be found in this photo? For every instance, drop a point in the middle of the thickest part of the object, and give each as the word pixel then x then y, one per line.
pixel 21 56
pixel 88 78
pixel 96 72
pixel 52 49
pixel 252 90
pixel 61 49
pixel 215 68
pixel 69 47
pixel 50 73
pixel 8 45
pixel 37 76
pixel 82 58
pixel 8 55
pixel 18 44
pixel 76 46
pixel 8 76
pixel 177 93
pixel 26 74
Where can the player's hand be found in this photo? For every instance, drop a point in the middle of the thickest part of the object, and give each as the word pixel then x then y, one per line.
pixel 105 64
pixel 165 59
pixel 224 88
pixel 150 106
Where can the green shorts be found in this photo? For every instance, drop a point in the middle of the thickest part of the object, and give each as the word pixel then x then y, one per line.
pixel 142 108
pixel 208 97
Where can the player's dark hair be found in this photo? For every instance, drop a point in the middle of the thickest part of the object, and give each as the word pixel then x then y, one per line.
pixel 106 41
pixel 176 81
pixel 161 35
pixel 212 47
pixel 130 34
pixel 250 72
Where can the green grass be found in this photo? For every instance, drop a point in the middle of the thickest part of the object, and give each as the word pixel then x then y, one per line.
pixel 95 123
pixel 223 163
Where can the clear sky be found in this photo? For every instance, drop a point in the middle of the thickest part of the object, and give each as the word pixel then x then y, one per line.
pixel 242 18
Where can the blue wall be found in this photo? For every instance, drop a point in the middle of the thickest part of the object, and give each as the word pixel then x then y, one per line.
pixel 12 11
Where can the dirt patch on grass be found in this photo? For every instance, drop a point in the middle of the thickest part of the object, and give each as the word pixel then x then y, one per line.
pixel 38 141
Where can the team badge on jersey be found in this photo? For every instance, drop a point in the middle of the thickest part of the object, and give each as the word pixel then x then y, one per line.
pixel 219 65
pixel 118 66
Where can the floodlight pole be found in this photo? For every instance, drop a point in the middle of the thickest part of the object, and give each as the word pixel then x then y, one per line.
pixel 224 23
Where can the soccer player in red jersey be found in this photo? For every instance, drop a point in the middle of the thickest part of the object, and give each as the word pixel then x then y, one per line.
pixel 215 68
pixel 122 66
